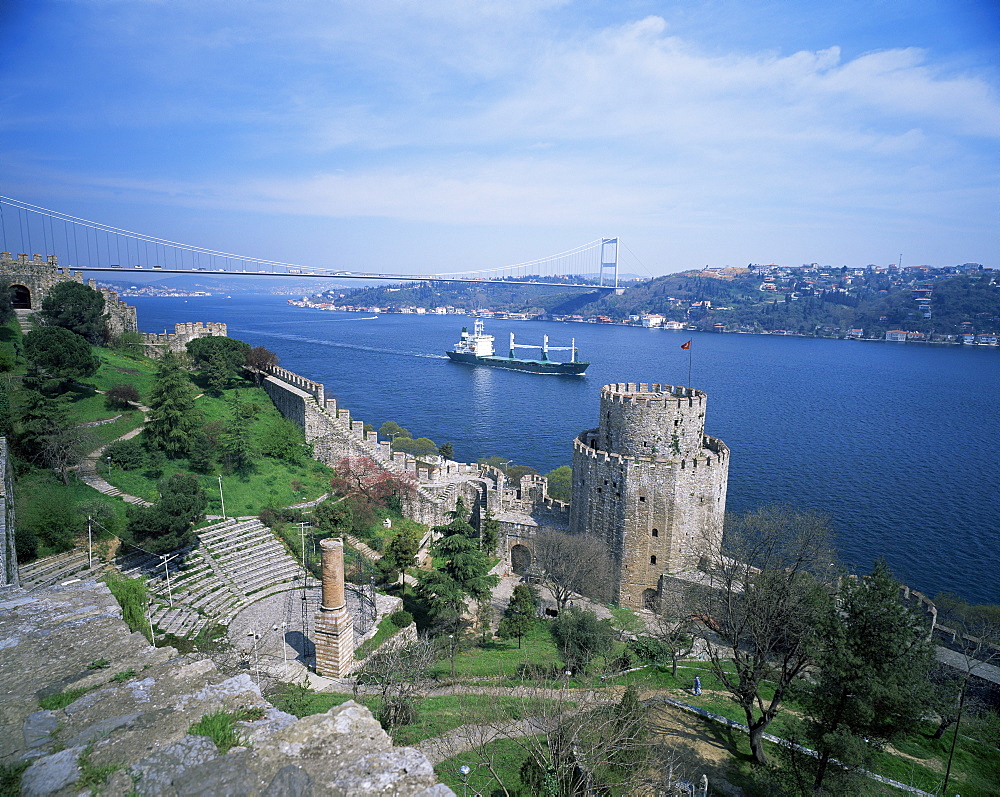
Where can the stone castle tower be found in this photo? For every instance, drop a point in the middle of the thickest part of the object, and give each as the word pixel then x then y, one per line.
pixel 30 280
pixel 651 484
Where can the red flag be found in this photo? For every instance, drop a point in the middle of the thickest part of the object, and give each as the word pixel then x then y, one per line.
pixel 686 345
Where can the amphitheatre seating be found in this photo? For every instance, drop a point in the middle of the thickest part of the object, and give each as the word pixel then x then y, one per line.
pixel 236 563
pixel 58 568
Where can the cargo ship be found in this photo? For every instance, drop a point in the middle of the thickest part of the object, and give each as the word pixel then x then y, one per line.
pixel 477 349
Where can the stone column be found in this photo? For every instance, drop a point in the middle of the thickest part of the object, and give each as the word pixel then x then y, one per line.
pixel 334 628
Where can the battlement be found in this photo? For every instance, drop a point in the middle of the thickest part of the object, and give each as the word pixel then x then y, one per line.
pixel 158 342
pixel 585 443
pixel 314 389
pixel 651 395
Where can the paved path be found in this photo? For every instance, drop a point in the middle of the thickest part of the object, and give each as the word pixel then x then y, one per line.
pixel 87 472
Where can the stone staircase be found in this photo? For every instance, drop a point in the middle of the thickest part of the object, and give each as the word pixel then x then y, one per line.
pixel 24 320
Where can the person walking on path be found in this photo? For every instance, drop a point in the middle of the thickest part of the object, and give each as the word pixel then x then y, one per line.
pixel 697 685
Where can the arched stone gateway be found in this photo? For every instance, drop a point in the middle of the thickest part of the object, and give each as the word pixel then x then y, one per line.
pixel 520 559
pixel 20 297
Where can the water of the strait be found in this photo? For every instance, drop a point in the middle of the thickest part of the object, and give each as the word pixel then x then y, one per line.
pixel 897 443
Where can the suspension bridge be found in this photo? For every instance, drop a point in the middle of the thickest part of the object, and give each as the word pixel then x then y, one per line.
pixel 92 246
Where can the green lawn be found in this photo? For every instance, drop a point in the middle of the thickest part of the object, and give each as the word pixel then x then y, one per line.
pixel 118 368
pixel 501 658
pixel 504 756
pixel 273 483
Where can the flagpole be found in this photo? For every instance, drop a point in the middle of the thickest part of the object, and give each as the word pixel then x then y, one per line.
pixel 690 357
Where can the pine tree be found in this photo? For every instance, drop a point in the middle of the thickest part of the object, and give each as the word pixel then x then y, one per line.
pixel 872 676
pixel 520 613
pixel 173 418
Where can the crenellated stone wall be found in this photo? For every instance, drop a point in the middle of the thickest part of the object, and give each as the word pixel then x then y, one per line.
pixel 650 484
pixel 8 550
pixel 156 344
pixel 334 436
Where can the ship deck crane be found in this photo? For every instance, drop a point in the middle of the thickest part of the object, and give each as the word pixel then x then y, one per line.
pixel 545 347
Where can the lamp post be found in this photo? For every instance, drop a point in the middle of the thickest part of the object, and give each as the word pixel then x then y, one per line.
pixel 451 642
pixel 90 544
pixel 284 648
pixel 109 466
pixel 464 770
pixel 222 499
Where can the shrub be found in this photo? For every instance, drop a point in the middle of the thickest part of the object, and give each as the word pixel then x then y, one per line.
pixel 125 454
pixel 122 396
pixel 401 618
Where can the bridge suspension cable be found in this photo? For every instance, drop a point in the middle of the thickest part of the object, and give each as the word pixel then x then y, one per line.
pixel 85 244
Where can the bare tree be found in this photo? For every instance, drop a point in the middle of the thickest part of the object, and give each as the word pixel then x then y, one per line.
pixel 396 671
pixel 972 635
pixel 768 589
pixel 65 448
pixel 674 625
pixel 573 564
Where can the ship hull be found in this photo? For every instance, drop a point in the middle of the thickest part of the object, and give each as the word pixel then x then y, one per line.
pixel 515 364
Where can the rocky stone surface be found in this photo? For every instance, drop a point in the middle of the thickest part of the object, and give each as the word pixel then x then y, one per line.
pixel 137 704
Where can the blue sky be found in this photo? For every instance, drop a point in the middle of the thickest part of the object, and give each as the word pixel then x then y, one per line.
pixel 441 135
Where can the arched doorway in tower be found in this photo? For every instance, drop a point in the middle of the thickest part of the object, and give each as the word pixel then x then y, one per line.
pixel 520 559
pixel 20 297
pixel 650 599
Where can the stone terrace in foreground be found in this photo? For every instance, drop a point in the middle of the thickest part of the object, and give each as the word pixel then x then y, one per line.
pixel 140 701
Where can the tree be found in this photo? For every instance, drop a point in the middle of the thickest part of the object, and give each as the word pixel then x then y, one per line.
pixel 396 671
pixel 520 614
pixel 573 564
pixel 124 454
pixel 333 516
pixel 122 397
pixel 6 416
pixel 489 533
pixel 392 430
pixel 560 483
pixel 215 351
pixel 77 308
pixel 871 679
pixel 60 354
pixel 65 448
pixel 581 637
pixel 238 441
pixel 419 447
pixel 771 586
pixel 44 434
pixel 173 418
pixel 458 523
pixel 282 439
pixel 400 553
pixel 168 524
pixel 202 453
pixel 259 361
pixel 364 478
pixel 446 451
pixel 975 636
pixel 672 626
pixel 465 573
pixel 217 372
pixel 6 304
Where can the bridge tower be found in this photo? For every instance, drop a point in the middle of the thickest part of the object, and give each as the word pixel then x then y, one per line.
pixel 609 259
pixel 650 484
